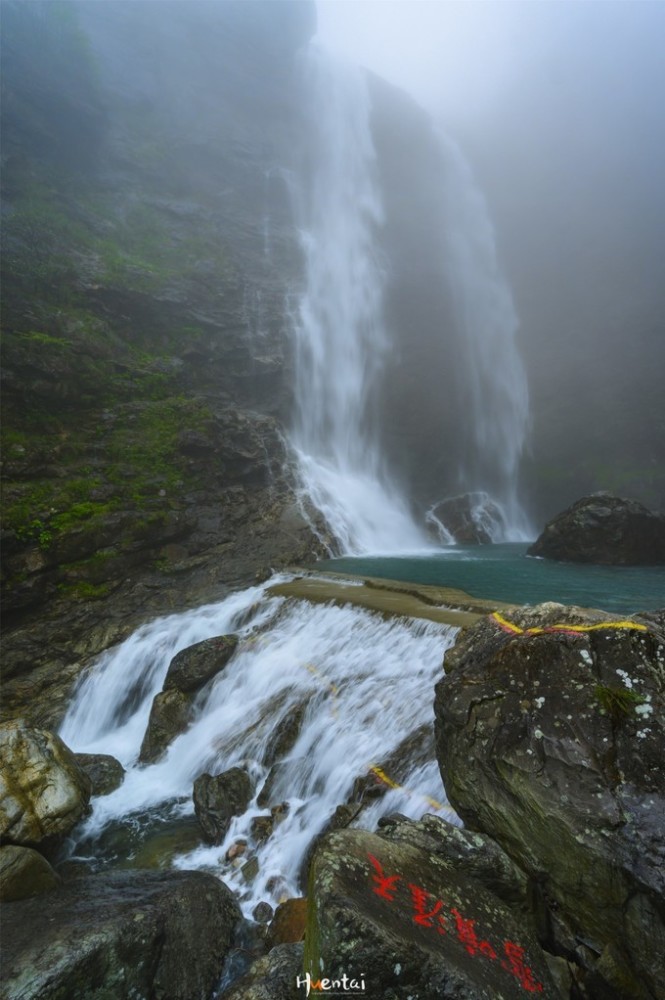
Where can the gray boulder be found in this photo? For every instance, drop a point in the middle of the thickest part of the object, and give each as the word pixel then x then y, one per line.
pixel 604 529
pixel 550 738
pixel 218 799
pixel 170 715
pixel 43 791
pixel 194 666
pixel 120 935
pixel 24 873
pixel 105 772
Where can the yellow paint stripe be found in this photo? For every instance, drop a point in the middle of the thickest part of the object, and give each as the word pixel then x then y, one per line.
pixel 563 627
pixel 374 768
pixel 381 774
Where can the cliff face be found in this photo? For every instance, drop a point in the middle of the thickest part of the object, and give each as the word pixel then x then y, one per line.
pixel 148 254
pixel 421 401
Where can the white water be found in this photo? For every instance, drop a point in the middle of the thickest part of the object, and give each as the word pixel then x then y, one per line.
pixel 340 339
pixel 366 684
pixel 495 390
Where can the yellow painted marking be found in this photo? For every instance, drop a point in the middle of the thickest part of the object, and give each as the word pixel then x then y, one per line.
pixel 375 769
pixel 563 627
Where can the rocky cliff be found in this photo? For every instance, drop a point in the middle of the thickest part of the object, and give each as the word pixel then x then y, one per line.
pixel 148 253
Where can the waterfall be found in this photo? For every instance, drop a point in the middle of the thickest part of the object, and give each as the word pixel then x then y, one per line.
pixel 360 685
pixel 339 333
pixel 492 379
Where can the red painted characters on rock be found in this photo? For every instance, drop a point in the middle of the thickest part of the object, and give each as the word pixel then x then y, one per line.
pixel 426 912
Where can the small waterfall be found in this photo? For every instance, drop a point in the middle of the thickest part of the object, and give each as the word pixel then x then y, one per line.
pixel 493 384
pixel 361 687
pixel 340 340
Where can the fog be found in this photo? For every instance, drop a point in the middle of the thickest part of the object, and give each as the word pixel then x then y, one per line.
pixel 559 108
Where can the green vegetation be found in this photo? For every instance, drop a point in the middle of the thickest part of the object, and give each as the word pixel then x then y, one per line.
pixel 618 703
pixel 81 590
pixel 93 276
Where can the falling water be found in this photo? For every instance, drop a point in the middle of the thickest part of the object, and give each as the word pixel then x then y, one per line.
pixel 340 339
pixel 361 685
pixel 493 380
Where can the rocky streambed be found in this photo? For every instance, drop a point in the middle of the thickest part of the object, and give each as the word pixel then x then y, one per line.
pixel 548 732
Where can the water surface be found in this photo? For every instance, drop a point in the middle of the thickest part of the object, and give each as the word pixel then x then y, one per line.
pixel 504 572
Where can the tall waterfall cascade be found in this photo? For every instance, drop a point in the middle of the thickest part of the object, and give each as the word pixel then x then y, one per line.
pixel 492 376
pixel 340 337
pixel 334 676
pixel 341 341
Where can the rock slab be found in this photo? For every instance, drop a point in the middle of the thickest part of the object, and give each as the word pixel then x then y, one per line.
pixel 120 935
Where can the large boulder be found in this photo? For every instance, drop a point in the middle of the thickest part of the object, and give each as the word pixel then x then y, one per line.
pixel 218 799
pixel 604 529
pixel 122 935
pixel 550 738
pixel 171 710
pixel 43 790
pixel 396 916
pixel 170 715
pixel 24 873
pixel 106 773
pixel 194 666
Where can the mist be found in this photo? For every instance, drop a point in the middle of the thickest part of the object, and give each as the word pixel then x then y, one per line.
pixel 558 108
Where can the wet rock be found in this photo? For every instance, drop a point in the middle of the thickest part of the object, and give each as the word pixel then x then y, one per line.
pixel 218 799
pixel 170 716
pixel 105 772
pixel 24 873
pixel 236 850
pixel 271 789
pixel 471 519
pixel 342 817
pixel 120 935
pixel 261 828
pixel 409 924
pixel 288 924
pixel 192 667
pixel 263 912
pixel 272 977
pixel 551 742
pixel 250 869
pixel 43 790
pixel 604 529
pixel 284 737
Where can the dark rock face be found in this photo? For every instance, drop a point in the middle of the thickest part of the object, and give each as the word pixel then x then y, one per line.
pixel 218 799
pixel 398 915
pixel 191 668
pixel 121 934
pixel 604 529
pixel 170 715
pixel 550 737
pixel 105 772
